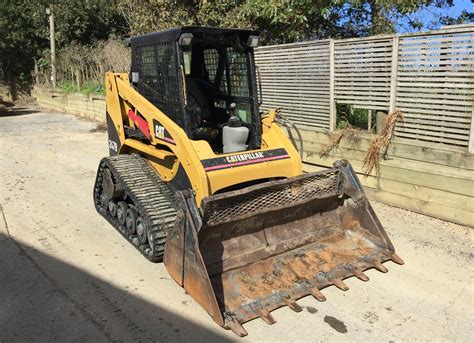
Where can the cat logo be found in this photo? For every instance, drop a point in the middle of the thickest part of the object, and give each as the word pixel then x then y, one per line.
pixel 159 131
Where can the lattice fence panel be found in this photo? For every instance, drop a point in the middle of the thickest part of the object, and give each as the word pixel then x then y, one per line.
pixel 435 87
pixel 362 72
pixel 295 77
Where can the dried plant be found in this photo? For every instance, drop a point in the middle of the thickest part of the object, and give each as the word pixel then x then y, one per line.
pixel 90 62
pixel 335 138
pixel 379 146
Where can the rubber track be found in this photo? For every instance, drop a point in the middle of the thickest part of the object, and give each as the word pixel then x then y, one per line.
pixel 152 198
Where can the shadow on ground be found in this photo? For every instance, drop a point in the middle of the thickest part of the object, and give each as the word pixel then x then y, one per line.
pixel 9 109
pixel 45 299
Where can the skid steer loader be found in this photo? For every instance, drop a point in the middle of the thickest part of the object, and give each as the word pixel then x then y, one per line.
pixel 199 177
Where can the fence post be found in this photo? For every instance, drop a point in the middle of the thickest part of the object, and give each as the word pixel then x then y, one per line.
pixel 471 134
pixel 332 103
pixel 78 80
pixel 36 73
pixel 393 76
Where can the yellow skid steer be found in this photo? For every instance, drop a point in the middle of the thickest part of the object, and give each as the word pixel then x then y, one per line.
pixel 200 178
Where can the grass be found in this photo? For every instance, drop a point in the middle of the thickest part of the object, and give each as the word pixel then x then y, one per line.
pixel 67 87
pixel 93 88
pixel 90 87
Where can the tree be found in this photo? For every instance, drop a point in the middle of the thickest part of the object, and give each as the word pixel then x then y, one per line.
pixel 86 21
pixel 280 20
pixel 21 42
pixel 372 17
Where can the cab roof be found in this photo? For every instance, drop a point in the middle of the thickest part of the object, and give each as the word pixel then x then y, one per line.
pixel 174 33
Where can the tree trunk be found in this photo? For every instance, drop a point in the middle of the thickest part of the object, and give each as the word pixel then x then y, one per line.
pixel 79 80
pixel 376 18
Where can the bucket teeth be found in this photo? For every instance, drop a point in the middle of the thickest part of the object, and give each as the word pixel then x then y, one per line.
pixel 340 284
pixel 360 274
pixel 266 316
pixel 316 293
pixel 379 266
pixel 293 305
pixel 236 327
pixel 395 258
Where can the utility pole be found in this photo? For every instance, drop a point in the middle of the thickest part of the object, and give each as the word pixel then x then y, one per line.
pixel 50 12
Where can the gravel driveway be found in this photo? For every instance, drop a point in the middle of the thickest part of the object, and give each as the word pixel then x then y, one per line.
pixel 67 275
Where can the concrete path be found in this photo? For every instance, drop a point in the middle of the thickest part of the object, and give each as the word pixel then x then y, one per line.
pixel 67 275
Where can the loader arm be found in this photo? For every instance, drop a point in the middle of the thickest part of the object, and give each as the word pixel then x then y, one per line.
pixel 207 172
pixel 121 98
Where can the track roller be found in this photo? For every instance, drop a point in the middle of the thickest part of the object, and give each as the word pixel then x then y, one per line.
pixel 130 195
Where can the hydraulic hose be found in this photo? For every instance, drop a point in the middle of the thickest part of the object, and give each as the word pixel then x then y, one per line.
pixel 283 121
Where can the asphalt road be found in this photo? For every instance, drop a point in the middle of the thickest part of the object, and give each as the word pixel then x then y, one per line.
pixel 67 275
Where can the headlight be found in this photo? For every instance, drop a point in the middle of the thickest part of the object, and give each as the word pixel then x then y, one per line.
pixel 252 41
pixel 185 39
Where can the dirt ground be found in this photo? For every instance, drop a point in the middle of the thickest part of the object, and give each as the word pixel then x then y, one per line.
pixel 67 275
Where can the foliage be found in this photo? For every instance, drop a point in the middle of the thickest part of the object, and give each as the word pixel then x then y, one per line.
pixel 372 17
pixel 464 17
pixel 93 87
pixel 154 15
pixel 378 146
pixel 20 41
pixel 346 116
pixel 88 63
pixel 82 24
pixel 282 21
pixel 68 87
pixel 82 21
pixel 279 20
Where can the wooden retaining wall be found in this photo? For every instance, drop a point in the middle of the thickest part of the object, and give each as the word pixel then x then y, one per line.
pixel 431 180
pixel 86 106
pixel 428 76
pixel 435 181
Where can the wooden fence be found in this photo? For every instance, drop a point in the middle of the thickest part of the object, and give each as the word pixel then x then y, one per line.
pixel 428 76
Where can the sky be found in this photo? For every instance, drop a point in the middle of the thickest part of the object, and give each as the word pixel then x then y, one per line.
pixel 431 14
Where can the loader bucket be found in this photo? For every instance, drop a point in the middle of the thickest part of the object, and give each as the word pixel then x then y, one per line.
pixel 251 251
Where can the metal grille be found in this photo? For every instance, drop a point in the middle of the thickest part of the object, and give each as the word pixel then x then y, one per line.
pixel 211 60
pixel 158 81
pixel 273 195
pixel 239 81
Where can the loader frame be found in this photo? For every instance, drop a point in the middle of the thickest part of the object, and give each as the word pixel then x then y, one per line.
pixel 244 232
pixel 186 163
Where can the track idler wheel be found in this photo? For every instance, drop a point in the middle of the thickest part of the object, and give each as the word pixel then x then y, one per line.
pixel 131 217
pixel 142 231
pixel 125 185
pixel 104 201
pixel 113 208
pixel 122 208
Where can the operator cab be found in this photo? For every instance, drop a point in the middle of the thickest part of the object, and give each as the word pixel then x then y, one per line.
pixel 201 77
